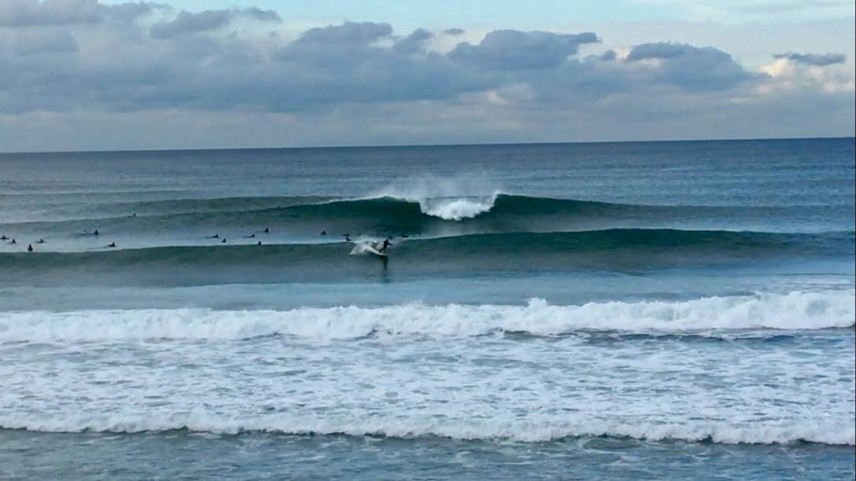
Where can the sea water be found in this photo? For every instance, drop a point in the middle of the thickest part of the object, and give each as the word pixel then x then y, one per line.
pixel 674 310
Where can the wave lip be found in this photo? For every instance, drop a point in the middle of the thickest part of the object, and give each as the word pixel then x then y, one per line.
pixel 531 431
pixel 792 311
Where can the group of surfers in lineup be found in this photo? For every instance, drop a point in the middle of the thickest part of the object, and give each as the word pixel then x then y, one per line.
pixel 30 248
pixel 382 248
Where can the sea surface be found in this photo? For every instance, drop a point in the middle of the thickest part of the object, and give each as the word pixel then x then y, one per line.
pixel 669 310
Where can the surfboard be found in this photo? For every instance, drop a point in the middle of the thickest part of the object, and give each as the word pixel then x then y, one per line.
pixel 376 252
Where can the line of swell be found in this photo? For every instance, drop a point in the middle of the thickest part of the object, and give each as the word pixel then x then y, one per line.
pixel 389 211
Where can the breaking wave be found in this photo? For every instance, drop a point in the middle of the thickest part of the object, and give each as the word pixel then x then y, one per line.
pixel 792 311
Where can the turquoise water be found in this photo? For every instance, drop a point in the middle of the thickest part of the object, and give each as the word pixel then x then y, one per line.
pixel 677 310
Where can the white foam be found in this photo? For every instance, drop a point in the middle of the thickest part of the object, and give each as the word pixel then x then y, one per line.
pixel 539 430
pixel 457 208
pixel 455 198
pixel 795 310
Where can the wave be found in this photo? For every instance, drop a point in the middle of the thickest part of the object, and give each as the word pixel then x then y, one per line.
pixel 390 215
pixel 792 311
pixel 720 432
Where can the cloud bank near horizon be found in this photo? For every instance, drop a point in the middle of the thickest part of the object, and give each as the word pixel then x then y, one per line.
pixel 83 66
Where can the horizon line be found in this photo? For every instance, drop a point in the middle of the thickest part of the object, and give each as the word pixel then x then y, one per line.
pixel 415 145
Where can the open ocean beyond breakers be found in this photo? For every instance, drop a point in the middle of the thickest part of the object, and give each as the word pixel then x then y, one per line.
pixel 667 310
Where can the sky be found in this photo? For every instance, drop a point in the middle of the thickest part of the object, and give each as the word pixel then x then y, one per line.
pixel 183 74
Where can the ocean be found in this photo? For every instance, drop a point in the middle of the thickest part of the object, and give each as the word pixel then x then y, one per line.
pixel 662 310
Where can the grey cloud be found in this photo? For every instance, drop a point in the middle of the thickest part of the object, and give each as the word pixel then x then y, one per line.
pixel 513 49
pixel 609 55
pixel 352 33
pixel 345 63
pixel 662 50
pixel 129 11
pixel 413 43
pixel 336 47
pixel 36 42
pixel 18 13
pixel 818 60
pixel 28 13
pixel 690 67
pixel 188 22
pixel 350 63
pixel 454 31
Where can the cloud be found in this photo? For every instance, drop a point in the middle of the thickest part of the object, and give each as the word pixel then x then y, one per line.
pixel 17 13
pixel 28 13
pixel 817 60
pixel 37 42
pixel 140 59
pixel 207 20
pixel 691 67
pixel 513 50
pixel 413 43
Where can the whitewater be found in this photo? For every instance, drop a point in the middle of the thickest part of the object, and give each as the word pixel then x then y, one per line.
pixel 791 311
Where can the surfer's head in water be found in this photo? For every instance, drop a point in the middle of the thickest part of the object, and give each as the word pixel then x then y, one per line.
pixel 323 232
pixel 30 248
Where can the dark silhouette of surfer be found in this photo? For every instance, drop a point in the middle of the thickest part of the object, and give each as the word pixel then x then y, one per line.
pixel 267 230
pixel 40 241
pixel 96 232
pixel 112 244
pixel 259 243
pixel 4 237
pixel 347 237
pixel 30 248
pixel 13 242
pixel 224 240
pixel 323 232
pixel 215 236
pixel 385 245
pixel 251 236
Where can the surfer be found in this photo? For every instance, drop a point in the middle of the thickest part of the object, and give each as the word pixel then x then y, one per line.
pixel 112 244
pixel 267 230
pixel 347 237
pixel 30 248
pixel 215 236
pixel 251 236
pixel 40 241
pixel 385 245
pixel 323 232
pixel 13 242
pixel 4 237
pixel 223 241
pixel 96 232
pixel 259 243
